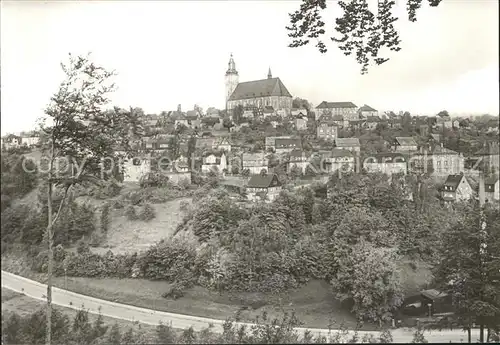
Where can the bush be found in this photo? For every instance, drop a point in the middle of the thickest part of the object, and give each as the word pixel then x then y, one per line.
pixel 184 205
pixel 148 213
pixel 130 213
pixel 174 292
pixel 153 179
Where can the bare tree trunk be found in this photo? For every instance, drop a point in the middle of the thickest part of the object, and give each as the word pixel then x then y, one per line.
pixel 481 333
pixel 49 264
pixel 469 336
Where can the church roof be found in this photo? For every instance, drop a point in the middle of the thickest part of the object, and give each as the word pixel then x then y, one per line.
pixel 259 88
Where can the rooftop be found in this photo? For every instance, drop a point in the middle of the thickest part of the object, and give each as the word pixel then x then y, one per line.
pixel 259 88
pixel 263 181
pixel 335 105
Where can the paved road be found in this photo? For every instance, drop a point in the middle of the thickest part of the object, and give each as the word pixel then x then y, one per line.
pixel 126 312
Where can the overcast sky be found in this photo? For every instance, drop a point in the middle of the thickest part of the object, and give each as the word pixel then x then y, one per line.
pixel 169 53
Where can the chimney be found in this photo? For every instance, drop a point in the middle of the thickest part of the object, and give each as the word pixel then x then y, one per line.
pixel 481 189
pixel 442 145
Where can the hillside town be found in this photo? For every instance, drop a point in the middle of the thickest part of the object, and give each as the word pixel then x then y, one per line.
pixel 264 131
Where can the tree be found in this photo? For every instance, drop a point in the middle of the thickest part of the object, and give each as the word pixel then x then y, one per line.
pixel 443 113
pixel 369 276
pixel 363 33
pixel 470 267
pixel 82 136
pixel 114 336
pixel 227 123
pixel 165 334
pixel 238 114
pixel 301 103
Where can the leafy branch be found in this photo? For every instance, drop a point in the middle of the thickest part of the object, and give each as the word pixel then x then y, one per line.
pixel 362 32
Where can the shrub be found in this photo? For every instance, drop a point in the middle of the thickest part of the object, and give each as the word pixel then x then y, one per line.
pixel 153 179
pixel 174 292
pixel 130 213
pixel 82 247
pixel 148 213
pixel 184 206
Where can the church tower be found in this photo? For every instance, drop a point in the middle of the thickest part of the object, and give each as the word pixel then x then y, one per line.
pixel 231 78
pixel 269 75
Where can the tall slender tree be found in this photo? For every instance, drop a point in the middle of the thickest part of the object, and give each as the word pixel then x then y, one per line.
pixel 81 135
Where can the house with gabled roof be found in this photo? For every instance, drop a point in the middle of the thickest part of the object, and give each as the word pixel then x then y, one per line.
pixel 287 145
pixel 366 111
pixel 262 187
pixel 338 159
pixel 299 159
pixel 327 130
pixel 254 162
pixel 214 162
pixel 347 109
pixel 492 188
pixel 350 144
pixel 372 121
pixel 301 122
pixel 299 112
pixel 456 188
pixel 222 144
pixel 271 141
pixel 405 144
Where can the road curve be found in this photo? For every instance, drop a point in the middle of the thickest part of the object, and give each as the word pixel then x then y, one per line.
pixel 73 300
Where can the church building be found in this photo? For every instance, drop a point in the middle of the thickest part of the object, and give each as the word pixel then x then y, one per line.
pixel 258 93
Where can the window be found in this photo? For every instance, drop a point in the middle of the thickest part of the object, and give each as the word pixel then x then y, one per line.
pixel 136 161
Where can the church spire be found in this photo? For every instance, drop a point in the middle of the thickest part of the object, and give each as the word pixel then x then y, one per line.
pixel 231 66
pixel 269 75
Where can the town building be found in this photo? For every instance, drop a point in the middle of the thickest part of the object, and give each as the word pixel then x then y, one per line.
pixel 372 121
pixel 258 93
pixel 327 130
pixel 443 121
pixel 287 145
pixel 492 188
pixel 386 163
pixel 338 159
pixel 263 187
pixel 347 109
pixel 456 188
pixel 366 111
pixel 214 162
pixel 405 144
pixel 222 144
pixel 299 159
pixel 271 142
pixel 301 122
pixel 255 162
pixel 350 144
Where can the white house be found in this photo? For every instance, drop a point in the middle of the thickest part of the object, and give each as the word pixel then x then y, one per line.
pixel 299 159
pixel 339 159
pixel 214 162
pixel 386 163
pixel 136 167
pixel 491 188
pixel 456 188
